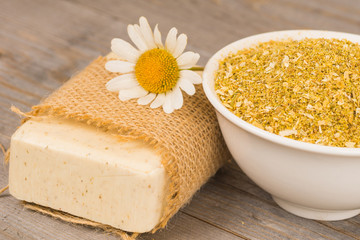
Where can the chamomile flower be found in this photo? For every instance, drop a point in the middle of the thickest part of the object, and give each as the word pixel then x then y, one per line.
pixel 154 73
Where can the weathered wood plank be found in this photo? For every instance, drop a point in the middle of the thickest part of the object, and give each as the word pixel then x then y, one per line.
pixel 234 177
pixel 222 22
pixel 193 229
pixel 43 43
pixel 253 217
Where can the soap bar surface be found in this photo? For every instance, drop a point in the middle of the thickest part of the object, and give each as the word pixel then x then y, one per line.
pixel 89 173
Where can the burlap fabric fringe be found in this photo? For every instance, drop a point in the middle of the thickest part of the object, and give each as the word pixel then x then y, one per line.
pixel 189 140
pixel 77 220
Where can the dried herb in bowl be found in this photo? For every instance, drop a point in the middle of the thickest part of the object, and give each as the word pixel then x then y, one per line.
pixel 307 90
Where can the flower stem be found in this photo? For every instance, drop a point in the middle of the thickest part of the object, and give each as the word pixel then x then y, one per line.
pixel 197 69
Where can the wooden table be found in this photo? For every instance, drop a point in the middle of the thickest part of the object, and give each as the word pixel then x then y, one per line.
pixel 43 43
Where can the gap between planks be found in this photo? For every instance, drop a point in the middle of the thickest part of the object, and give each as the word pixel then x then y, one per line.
pixel 216 225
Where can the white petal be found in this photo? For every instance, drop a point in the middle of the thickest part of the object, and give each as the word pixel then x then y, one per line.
pixel 187 60
pixel 191 76
pixel 145 100
pixel 118 83
pixel 157 37
pixel 180 45
pixel 170 42
pixel 167 106
pixel 124 50
pixel 186 86
pixel 138 30
pixel 147 33
pixel 137 38
pixel 159 101
pixel 177 98
pixel 119 66
pixel 135 92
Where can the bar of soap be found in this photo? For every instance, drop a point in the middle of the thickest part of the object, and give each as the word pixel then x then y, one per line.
pixel 89 173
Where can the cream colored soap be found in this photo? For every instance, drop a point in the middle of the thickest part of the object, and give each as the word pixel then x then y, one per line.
pixel 81 170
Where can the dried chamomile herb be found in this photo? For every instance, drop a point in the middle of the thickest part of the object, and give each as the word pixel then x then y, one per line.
pixel 307 90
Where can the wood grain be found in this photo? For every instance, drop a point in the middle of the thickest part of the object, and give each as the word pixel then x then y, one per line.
pixel 43 43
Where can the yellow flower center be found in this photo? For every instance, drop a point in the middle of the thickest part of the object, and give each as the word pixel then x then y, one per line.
pixel 157 71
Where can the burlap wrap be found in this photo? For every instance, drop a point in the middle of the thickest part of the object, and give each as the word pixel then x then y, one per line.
pixel 189 139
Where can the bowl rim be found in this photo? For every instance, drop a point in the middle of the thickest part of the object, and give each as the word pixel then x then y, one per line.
pixel 212 66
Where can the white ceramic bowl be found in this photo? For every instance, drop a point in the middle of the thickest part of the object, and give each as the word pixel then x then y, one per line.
pixel 308 180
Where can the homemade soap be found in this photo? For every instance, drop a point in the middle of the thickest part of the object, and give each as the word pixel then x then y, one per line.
pixel 89 173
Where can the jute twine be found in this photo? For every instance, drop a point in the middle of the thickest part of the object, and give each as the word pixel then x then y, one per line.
pixel 6 160
pixel 189 140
